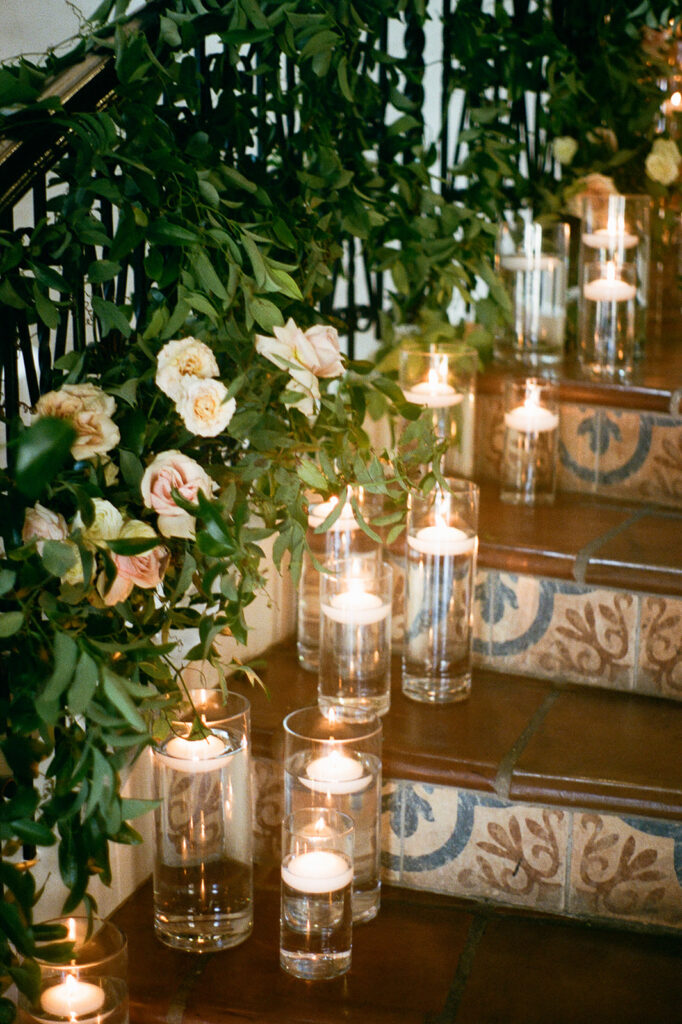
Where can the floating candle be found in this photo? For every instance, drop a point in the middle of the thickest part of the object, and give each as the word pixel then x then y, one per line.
pixel 72 998
pixel 432 395
pixel 442 539
pixel 519 262
pixel 195 750
pixel 317 871
pixel 335 773
pixel 611 239
pixel 356 607
pixel 611 288
pixel 531 418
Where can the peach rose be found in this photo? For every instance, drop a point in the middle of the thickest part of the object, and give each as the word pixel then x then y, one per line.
pixel 43 524
pixel 171 470
pixel 204 407
pixel 145 570
pixel 89 410
pixel 181 359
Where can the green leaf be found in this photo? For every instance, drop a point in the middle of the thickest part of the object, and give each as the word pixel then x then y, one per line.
pixel 10 623
pixel 169 32
pixel 164 231
pixel 45 308
pixel 115 691
pixel 7 578
pixel 41 453
pixel 238 179
pixel 110 317
pixel 266 314
pixel 103 270
pixel 84 685
pixel 311 476
pixel 58 557
pixel 207 275
pixel 65 655
pixel 136 808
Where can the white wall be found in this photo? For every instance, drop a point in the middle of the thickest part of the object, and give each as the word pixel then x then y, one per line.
pixel 34 26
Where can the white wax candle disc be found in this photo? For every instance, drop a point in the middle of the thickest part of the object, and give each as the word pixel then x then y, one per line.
pixel 442 540
pixel 530 418
pixel 317 871
pixel 72 998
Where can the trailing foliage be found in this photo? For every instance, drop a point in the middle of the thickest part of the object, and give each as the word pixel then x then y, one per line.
pixel 253 154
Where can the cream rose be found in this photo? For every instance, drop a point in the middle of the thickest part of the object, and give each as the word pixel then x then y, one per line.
pixel 97 434
pixel 145 570
pixel 106 526
pixel 564 148
pixel 663 162
pixel 306 356
pixel 591 185
pixel 171 470
pixel 89 410
pixel 91 397
pixel 325 341
pixel 43 524
pixel 181 359
pixel 204 407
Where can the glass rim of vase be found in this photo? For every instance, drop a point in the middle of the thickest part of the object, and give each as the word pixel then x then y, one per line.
pixel 336 724
pixel 75 963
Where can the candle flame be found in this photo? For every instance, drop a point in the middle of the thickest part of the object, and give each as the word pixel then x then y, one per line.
pixel 676 99
pixel 320 826
pixel 610 271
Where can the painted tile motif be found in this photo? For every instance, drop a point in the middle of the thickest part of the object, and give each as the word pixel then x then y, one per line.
pixel 268 808
pixel 627 868
pixel 580 864
pixel 478 846
pixel 614 452
pixel 559 629
pixel 660 647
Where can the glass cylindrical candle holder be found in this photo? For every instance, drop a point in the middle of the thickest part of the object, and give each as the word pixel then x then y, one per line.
pixel 341 540
pixel 617 229
pixel 531 437
pixel 607 320
pixel 316 917
pixel 442 545
pixel 356 599
pixel 332 759
pixel 442 379
pixel 532 262
pixel 91 987
pixel 203 862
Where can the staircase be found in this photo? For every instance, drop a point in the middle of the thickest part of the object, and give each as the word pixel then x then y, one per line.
pixel 557 787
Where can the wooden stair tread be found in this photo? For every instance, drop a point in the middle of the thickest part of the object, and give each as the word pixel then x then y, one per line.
pixel 425 958
pixel 594 540
pixel 516 737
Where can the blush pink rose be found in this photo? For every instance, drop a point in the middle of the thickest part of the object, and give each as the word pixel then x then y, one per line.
pixel 145 570
pixel 171 470
pixel 325 341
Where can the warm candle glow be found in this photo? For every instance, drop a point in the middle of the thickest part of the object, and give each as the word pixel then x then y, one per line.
pixel 72 998
pixel 317 871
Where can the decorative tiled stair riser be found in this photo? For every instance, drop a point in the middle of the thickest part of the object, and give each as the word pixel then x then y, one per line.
pixel 615 453
pixel 573 863
pixel 556 629
pixel 530 794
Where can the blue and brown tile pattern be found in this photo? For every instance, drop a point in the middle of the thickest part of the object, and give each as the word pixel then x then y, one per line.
pixel 611 452
pixel 571 863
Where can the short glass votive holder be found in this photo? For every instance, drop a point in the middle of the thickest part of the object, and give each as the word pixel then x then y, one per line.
pixel 203 856
pixel 316 916
pixel 343 539
pixel 531 439
pixel 607 320
pixel 356 598
pixel 441 377
pixel 91 985
pixel 332 758
pixel 617 229
pixel 532 263
pixel 442 545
